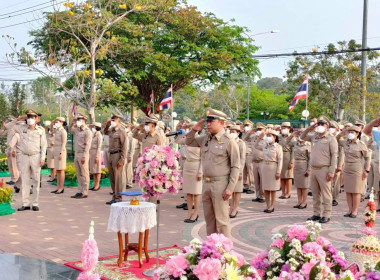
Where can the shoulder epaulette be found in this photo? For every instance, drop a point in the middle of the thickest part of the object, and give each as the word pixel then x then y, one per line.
pixel 228 136
pixel 362 142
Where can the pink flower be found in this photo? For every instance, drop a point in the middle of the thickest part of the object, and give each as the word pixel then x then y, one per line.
pixel 297 231
pixel 323 241
pixel 170 161
pixel 306 267
pixel 314 248
pixel 221 240
pixel 150 182
pixel 278 243
pixel 291 276
pixel 259 257
pixel 177 265
pixel 208 269
pixel 241 260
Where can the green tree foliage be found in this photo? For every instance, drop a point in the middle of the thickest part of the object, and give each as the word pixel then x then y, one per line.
pixel 272 83
pixel 17 95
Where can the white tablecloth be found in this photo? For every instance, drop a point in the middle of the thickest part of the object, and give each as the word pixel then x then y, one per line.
pixel 126 218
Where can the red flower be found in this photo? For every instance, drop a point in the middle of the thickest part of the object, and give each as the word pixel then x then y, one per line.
pixel 369 224
pixel 371 205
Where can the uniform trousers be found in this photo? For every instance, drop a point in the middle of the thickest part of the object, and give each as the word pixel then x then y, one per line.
pixel 336 186
pixel 215 208
pixel 322 196
pixel 257 178
pixel 129 173
pixel 106 157
pixel 116 176
pixel 30 175
pixel 12 166
pixel 83 173
pixel 248 177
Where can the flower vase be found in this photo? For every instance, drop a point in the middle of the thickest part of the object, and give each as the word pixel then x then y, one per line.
pixel 6 209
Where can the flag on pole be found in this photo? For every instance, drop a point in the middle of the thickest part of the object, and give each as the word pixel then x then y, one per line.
pixel 167 101
pixel 74 111
pixel 149 108
pixel 301 94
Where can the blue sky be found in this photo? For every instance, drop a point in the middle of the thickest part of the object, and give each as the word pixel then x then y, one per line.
pixel 303 24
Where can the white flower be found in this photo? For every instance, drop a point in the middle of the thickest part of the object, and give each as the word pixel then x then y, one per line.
pixel 273 255
pixel 276 236
pixel 183 277
pixel 347 275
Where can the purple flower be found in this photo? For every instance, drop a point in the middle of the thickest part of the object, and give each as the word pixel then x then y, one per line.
pixel 285 267
pixel 341 262
pixel 209 250
pixel 372 276
pixel 331 249
pixel 260 265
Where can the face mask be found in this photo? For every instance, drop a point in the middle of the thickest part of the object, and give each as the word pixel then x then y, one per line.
pixel 351 136
pixel 30 121
pixel 312 123
pixel 247 128
pixel 146 128
pixel 79 123
pixel 258 133
pixel 299 139
pixel 113 124
pixel 93 130
pixel 186 131
pixel 234 135
pixel 127 130
pixel 321 129
pixel 331 130
pixel 269 139
pixel 228 131
pixel 284 131
pixel 57 125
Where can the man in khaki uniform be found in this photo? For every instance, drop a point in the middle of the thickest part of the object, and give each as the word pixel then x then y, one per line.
pixel 132 143
pixel 221 169
pixel 146 133
pixel 118 149
pixel 323 161
pixel 7 129
pixel 82 144
pixel 334 129
pixel 32 146
pixel 248 178
pixel 257 159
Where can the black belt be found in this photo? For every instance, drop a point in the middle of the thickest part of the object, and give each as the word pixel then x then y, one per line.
pixel 115 152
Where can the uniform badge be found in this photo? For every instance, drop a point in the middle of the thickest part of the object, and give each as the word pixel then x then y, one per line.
pixel 220 143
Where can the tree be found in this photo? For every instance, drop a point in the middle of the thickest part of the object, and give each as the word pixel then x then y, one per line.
pixel 334 79
pixel 272 83
pixel 16 99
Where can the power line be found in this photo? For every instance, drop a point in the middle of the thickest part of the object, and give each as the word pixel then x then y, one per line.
pixel 7 26
pixel 28 8
pixel 23 13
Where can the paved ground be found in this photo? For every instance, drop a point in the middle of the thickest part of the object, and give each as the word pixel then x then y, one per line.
pixel 58 230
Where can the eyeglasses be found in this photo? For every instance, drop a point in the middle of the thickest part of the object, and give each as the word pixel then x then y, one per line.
pixel 30 116
pixel 321 122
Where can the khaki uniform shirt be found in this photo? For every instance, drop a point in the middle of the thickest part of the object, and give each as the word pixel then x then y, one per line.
pixel 96 143
pixel 242 151
pixel 248 138
pixel 220 155
pixel 148 139
pixel 272 153
pixel 82 139
pixel 257 152
pixel 340 160
pixel 60 140
pixel 324 150
pixel 32 141
pixel 286 146
pixel 118 141
pixel 132 145
pixel 357 151
pixel 50 140
pixel 302 152
pixel 10 132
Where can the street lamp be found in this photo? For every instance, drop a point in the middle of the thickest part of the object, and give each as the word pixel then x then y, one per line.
pixel 266 32
pixel 264 114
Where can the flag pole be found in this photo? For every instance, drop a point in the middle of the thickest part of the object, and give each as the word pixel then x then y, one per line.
pixel 172 107
pixel 307 94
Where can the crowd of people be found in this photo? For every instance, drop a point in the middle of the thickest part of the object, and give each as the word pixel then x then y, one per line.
pixel 220 159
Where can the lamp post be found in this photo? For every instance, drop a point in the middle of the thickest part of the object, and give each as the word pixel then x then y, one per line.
pixel 363 70
pixel 264 114
pixel 271 31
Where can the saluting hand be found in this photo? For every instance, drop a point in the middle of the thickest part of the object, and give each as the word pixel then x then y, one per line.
pixel 199 125
pixel 227 193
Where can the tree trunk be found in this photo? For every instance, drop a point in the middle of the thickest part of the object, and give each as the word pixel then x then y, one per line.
pixel 91 114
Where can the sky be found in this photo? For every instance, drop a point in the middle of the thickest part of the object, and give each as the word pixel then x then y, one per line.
pixel 303 25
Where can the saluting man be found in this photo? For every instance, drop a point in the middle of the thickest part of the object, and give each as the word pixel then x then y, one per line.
pixel 117 154
pixel 146 133
pixel 221 169
pixel 32 146
pixel 82 144
pixel 248 177
pixel 323 161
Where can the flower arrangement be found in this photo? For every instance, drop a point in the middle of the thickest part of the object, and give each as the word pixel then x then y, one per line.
pixel 300 254
pixel 209 260
pixel 6 194
pixel 105 173
pixel 3 164
pixel 158 172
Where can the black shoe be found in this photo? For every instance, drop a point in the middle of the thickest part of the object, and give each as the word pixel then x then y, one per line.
pixel 297 206
pixel 54 191
pixel 256 199
pixel 128 187
pixel 314 218
pixel 361 199
pixel 76 195
pixel 378 210
pixel 261 200
pixel 91 189
pixel 245 190
pixel 282 197
pixel 23 208
pixel 335 203
pixel 111 193
pixel 347 215
pixel 10 183
pixel 185 208
pixel 250 192
pixel 367 196
pixel 81 196
pixel 310 194
pixel 35 208
pixel 287 197
pixel 62 191
pixel 269 211
pixel 234 216
pixel 95 190
pixel 111 202
pixel 17 189
pixel 324 220
pixel 181 205
pixel 302 207
pixel 50 181
pixel 352 216
pixel 191 221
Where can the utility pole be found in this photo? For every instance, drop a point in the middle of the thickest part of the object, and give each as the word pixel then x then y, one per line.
pixel 363 71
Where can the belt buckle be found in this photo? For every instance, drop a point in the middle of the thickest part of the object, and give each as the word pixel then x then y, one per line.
pixel 208 179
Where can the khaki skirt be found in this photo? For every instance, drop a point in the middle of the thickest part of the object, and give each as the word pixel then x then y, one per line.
pixel 352 177
pixel 285 172
pixel 95 168
pixel 60 164
pixel 190 184
pixel 268 178
pixel 300 180
pixel 50 157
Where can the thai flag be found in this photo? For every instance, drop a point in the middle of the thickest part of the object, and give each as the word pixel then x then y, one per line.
pixel 167 101
pixel 149 108
pixel 74 111
pixel 301 94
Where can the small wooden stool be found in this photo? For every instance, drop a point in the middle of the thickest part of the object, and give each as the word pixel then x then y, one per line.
pixel 137 247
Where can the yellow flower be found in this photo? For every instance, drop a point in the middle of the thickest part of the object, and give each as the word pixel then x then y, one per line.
pixel 69 5
pixel 71 13
pixel 233 273
pixel 138 7
pixel 122 6
pixel 88 72
pixel 88 6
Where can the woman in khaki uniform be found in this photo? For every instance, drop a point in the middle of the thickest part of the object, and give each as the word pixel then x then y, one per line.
pixel 287 161
pixel 271 167
pixel 50 149
pixel 95 149
pixel 355 174
pixel 236 195
pixel 60 140
pixel 301 156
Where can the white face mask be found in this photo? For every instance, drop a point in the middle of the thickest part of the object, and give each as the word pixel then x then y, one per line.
pixel 79 123
pixel 234 135
pixel 30 121
pixel 312 123
pixel 351 136
pixel 299 139
pixel 57 125
pixel 247 128
pixel 284 131
pixel 321 129
pixel 146 128
pixel 186 131
pixel 93 129
pixel 228 131
pixel 331 130
pixel 113 124
pixel 258 133
pixel 269 139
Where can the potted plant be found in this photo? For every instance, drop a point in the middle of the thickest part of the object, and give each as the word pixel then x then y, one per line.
pixel 6 197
